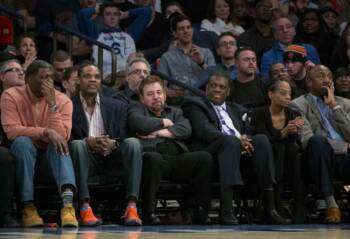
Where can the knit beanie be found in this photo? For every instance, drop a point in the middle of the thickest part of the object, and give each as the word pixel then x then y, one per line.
pixel 295 53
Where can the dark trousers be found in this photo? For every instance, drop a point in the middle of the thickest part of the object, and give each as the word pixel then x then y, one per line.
pixel 287 168
pixel 324 165
pixel 227 150
pixel 87 165
pixel 194 168
pixel 7 179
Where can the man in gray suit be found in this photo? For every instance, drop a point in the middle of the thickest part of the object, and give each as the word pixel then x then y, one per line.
pixel 325 135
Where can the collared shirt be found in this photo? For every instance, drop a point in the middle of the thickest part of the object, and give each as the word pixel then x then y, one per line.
pixel 227 126
pixel 95 120
pixel 326 115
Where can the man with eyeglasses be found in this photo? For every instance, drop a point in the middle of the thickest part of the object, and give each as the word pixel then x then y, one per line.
pixel 137 70
pixel 284 33
pixel 11 74
pixel 226 49
pixel 247 89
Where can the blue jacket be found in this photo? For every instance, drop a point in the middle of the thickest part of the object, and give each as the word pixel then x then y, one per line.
pixel 93 28
pixel 275 55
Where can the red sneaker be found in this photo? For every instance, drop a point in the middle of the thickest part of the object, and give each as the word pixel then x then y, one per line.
pixel 87 218
pixel 131 217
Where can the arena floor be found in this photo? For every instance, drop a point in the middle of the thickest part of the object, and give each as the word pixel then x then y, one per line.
pixel 314 231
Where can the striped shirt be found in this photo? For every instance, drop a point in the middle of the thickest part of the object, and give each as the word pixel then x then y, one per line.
pixel 95 120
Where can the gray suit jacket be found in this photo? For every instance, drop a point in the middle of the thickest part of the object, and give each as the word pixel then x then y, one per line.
pixel 314 124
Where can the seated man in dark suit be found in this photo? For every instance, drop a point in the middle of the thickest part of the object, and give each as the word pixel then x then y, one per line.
pixel 325 135
pixel 162 131
pixel 219 129
pixel 99 126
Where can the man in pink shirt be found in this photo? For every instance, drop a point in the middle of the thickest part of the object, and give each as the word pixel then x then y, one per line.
pixel 38 120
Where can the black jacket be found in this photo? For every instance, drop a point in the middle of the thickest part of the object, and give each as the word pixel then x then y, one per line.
pixel 114 114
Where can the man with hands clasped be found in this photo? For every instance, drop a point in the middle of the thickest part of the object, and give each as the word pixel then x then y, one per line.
pixel 38 120
pixel 99 126
pixel 325 135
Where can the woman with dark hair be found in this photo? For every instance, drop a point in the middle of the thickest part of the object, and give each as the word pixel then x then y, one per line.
pixel 219 18
pixel 341 54
pixel 312 29
pixel 27 50
pixel 281 125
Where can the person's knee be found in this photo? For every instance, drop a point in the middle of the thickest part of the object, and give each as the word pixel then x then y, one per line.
pixel 152 161
pixel 205 158
pixel 229 141
pixel 261 140
pixel 131 143
pixel 22 143
pixel 318 141
pixel 77 145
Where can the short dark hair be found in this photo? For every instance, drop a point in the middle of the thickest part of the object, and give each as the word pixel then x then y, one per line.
pixel 150 80
pixel 85 64
pixel 224 34
pixel 342 71
pixel 108 4
pixel 221 74
pixel 272 87
pixel 34 67
pixel 176 19
pixel 242 49
pixel 211 10
pixel 69 72
pixel 60 55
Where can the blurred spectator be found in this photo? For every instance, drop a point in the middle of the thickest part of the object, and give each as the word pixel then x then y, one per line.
pixel 240 14
pixel 278 71
pixel 70 81
pixel 331 18
pixel 26 9
pixel 44 133
pixel 325 136
pixel 284 34
pixel 342 82
pixel 186 60
pixel 341 54
pixel 219 18
pixel 248 89
pixel 259 37
pixel 295 60
pixel 136 71
pixel 156 32
pixel 60 61
pixel 227 47
pixel 11 74
pixel 172 7
pixel 312 30
pixel 27 49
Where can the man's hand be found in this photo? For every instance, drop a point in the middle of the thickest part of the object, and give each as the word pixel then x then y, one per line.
pixel 163 133
pixel 102 145
pixel 329 99
pixel 291 128
pixel 196 55
pixel 58 142
pixel 167 123
pixel 48 91
pixel 247 145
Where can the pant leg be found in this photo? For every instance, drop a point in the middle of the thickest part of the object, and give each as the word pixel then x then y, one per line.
pixel 132 160
pixel 262 160
pixel 152 171
pixel 293 169
pixel 82 160
pixel 25 153
pixel 227 150
pixel 61 167
pixel 279 155
pixel 320 157
pixel 7 179
pixel 196 168
pixel 342 168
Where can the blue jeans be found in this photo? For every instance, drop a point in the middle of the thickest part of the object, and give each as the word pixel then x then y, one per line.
pixel 26 155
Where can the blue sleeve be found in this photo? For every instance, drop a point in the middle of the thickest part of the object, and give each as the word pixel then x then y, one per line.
pixel 266 62
pixel 203 77
pixel 312 54
pixel 86 25
pixel 142 17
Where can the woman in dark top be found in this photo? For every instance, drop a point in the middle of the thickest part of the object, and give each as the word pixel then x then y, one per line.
pixel 281 125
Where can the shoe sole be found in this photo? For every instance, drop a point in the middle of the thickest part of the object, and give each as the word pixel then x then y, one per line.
pixel 95 224
pixel 132 223
pixel 70 225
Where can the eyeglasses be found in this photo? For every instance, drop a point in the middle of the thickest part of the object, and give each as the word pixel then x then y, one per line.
pixel 16 70
pixel 139 72
pixel 227 43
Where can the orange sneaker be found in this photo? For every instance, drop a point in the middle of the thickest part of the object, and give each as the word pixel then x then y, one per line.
pixel 131 217
pixel 87 218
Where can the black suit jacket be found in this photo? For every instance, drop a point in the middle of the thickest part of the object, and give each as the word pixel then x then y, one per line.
pixel 114 114
pixel 205 123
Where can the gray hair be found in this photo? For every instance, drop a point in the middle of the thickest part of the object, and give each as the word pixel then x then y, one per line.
pixel 135 60
pixel 3 65
pixel 34 67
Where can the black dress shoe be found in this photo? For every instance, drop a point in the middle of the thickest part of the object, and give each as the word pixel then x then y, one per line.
pixel 228 218
pixel 7 221
pixel 200 216
pixel 272 217
pixel 151 219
